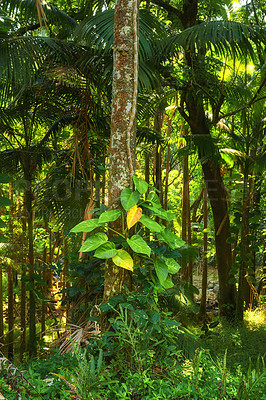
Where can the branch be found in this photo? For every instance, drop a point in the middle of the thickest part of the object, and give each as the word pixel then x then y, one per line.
pixel 181 109
pixel 168 8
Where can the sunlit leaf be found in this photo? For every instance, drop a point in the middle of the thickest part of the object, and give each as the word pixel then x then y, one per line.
pixel 173 266
pixel 123 259
pixel 133 216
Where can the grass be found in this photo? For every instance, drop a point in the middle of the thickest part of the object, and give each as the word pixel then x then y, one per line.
pixel 243 342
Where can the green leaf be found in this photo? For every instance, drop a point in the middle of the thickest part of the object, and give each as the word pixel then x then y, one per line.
pixel 154 199
pixel 173 266
pixel 94 241
pixel 171 239
pixel 106 250
pixel 5 178
pixel 139 245
pixel 168 283
pixel 5 202
pixel 123 259
pixel 140 184
pixel 160 212
pixel 150 224
pixel 86 226
pixel 161 271
pixel 109 216
pixel 128 198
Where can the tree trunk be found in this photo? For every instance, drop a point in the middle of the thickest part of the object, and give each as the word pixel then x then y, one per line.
pixel 10 336
pixel 167 167
pixel 244 250
pixel 202 310
pixel 218 199
pixel 32 306
pixel 1 307
pixel 123 124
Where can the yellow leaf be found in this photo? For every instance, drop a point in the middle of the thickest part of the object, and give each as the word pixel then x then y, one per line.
pixel 133 216
pixel 123 259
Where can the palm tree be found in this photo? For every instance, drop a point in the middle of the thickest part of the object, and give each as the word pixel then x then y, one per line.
pixel 199 88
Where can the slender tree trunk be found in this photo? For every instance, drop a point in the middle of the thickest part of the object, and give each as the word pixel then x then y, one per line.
pixel 23 294
pixel 1 306
pixel 244 250
pixel 218 199
pixel 202 310
pixel 158 123
pixel 185 210
pixel 10 336
pixel 167 167
pixel 32 306
pixel 123 124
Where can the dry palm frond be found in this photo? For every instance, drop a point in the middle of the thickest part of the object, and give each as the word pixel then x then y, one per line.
pixel 41 14
pixel 77 334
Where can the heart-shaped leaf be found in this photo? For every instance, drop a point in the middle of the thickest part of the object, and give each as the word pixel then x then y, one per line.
pixel 109 216
pixel 133 216
pixel 139 245
pixel 106 250
pixel 94 241
pixel 123 259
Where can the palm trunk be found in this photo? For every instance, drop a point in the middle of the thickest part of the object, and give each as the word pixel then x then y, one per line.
pixel 123 125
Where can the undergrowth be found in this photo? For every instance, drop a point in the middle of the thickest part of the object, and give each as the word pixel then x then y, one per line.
pixel 144 357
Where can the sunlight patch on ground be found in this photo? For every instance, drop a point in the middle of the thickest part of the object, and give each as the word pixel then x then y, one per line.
pixel 255 318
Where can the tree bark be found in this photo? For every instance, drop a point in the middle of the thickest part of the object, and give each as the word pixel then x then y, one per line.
pixel 202 310
pixel 123 125
pixel 218 200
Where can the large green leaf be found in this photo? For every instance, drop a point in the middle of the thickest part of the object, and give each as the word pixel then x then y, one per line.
pixel 171 239
pixel 138 244
pixel 86 226
pixel 123 259
pixel 161 271
pixel 106 250
pixel 173 266
pixel 109 216
pixel 140 184
pixel 129 198
pixel 94 241
pixel 150 224
pixel 160 212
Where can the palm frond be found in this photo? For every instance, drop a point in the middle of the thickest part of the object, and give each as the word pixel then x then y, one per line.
pixel 27 10
pixel 97 31
pixel 221 37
